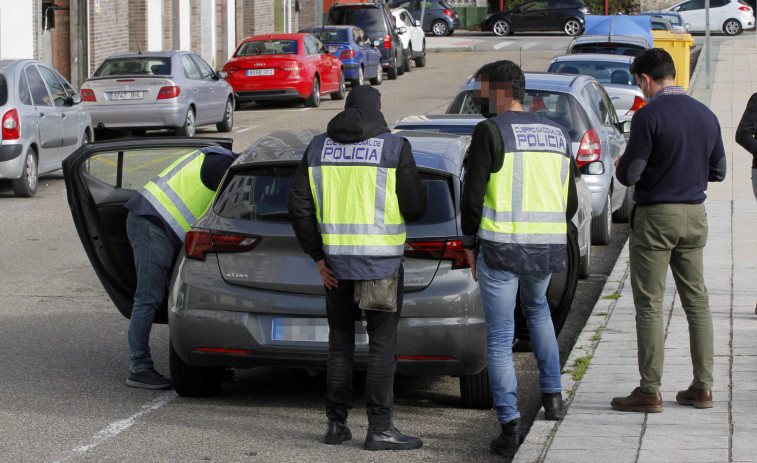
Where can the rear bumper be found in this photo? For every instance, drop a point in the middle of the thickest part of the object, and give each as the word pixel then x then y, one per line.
pixel 11 159
pixel 146 115
pixel 268 95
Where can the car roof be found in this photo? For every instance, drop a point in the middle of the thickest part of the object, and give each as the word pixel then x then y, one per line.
pixel 9 63
pixel 441 119
pixel 593 57
pixel 546 81
pixel 338 27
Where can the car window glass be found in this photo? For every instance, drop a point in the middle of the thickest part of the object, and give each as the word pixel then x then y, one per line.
pixel 718 3
pixel 692 5
pixel 134 65
pixel 368 19
pixel 311 48
pixel 23 90
pixel 597 104
pixel 444 4
pixel 605 72
pixel 205 70
pixel 190 68
pixel 56 88
pixel 139 166
pixel 4 89
pixel 534 6
pixel 405 5
pixel 40 97
pixel 605 104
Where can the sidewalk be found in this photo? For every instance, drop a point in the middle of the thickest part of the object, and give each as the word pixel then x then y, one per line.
pixel 594 432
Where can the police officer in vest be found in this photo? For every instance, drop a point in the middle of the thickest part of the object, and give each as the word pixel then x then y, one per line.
pixel 160 214
pixel 352 193
pixel 518 196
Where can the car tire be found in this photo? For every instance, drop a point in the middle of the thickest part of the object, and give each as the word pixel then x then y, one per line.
pixel 572 27
pixel 26 185
pixel 623 214
pixel 339 94
pixel 360 78
pixel 314 100
pixel 392 73
pixel 475 391
pixel 439 28
pixel 228 118
pixel 601 226
pixel 584 264
pixel 406 64
pixel 420 61
pixel 192 381
pixel 400 64
pixel 189 128
pixel 379 76
pixel 501 28
pixel 732 27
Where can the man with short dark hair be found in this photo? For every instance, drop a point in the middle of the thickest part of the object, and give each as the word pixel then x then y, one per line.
pixel 518 197
pixel 675 148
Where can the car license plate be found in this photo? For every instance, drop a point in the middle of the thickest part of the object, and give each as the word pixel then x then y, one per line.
pixel 310 330
pixel 126 95
pixel 259 72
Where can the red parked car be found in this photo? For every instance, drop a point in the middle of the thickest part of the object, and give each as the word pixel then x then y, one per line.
pixel 275 67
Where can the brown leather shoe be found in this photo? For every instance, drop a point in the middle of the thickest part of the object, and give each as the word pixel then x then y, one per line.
pixel 699 398
pixel 638 402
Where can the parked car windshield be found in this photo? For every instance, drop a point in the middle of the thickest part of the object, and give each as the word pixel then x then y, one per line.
pixel 331 35
pixel 3 90
pixel 608 48
pixel 465 129
pixel 369 19
pixel 268 47
pixel 146 65
pixel 605 72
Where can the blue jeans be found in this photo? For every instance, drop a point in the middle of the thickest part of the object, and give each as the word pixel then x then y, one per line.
pixel 499 289
pixel 153 257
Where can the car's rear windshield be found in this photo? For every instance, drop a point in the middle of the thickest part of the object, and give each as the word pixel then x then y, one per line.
pixel 136 65
pixel 3 90
pixel 368 19
pixel 260 195
pixel 268 47
pixel 464 129
pixel 605 72
pixel 608 49
pixel 562 108
pixel 445 5
pixel 331 35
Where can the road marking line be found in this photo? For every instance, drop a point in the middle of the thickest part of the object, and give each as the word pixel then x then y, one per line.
pixel 117 427
pixel 244 130
pixel 499 45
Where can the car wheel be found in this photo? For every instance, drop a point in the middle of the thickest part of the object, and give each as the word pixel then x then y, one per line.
pixel 379 76
pixel 439 28
pixel 572 27
pixel 228 118
pixel 732 27
pixel 501 28
pixel 421 60
pixel 400 64
pixel 86 138
pixel 623 214
pixel 601 226
pixel 585 263
pixel 407 65
pixel 315 95
pixel 192 381
pixel 392 73
pixel 26 185
pixel 189 128
pixel 360 78
pixel 339 94
pixel 475 391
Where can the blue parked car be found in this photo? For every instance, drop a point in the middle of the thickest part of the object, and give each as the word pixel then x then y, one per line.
pixel 354 48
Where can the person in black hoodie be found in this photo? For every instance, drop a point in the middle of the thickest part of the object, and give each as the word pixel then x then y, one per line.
pixel 356 186
pixel 746 136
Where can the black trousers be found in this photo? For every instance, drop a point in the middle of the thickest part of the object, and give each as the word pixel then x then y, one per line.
pixel 382 361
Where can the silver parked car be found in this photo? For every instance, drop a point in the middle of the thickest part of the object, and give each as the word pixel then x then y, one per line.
pixel 464 124
pixel 581 105
pixel 244 293
pixel 43 121
pixel 158 90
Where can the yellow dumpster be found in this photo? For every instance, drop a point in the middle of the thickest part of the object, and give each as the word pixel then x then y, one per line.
pixel 679 47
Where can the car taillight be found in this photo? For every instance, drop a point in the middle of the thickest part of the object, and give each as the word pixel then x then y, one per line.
pixel 439 249
pixel 347 54
pixel 638 102
pixel 387 41
pixel 168 92
pixel 87 95
pixel 292 66
pixel 590 149
pixel 11 125
pixel 449 13
pixel 229 68
pixel 200 242
pixel 745 8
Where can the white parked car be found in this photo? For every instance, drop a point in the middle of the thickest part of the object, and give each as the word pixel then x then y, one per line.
pixel 412 36
pixel 729 16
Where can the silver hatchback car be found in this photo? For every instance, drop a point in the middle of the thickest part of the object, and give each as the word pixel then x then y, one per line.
pixel 158 90
pixel 244 293
pixel 43 121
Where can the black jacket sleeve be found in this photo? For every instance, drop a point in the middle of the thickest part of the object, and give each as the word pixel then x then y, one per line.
pixel 747 129
pixel 411 193
pixel 302 213
pixel 479 166
pixel 572 206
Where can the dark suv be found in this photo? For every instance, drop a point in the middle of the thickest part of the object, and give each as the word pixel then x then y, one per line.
pixel 377 21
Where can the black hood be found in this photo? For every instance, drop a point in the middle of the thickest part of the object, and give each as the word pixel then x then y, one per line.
pixel 361 118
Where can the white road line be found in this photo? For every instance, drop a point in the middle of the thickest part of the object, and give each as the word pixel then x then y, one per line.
pixel 243 130
pixel 117 427
pixel 529 45
pixel 499 45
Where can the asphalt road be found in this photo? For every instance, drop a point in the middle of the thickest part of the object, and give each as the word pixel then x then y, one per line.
pixel 64 359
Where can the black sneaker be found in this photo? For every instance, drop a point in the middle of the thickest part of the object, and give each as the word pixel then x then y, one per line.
pixel 148 379
pixel 390 439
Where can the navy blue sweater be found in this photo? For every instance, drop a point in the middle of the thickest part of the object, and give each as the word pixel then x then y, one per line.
pixel 675 148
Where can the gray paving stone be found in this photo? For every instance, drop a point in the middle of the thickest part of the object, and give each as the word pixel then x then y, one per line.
pixel 675 455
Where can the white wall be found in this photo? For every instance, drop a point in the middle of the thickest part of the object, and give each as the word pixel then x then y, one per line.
pixel 231 27
pixel 208 31
pixel 154 25
pixel 16 29
pixel 185 26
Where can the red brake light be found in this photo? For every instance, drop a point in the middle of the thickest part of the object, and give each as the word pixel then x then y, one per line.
pixel 293 66
pixel 347 54
pixel 745 8
pixel 87 95
pixel 590 149
pixel 229 68
pixel 449 13
pixel 168 92
pixel 200 242
pixel 638 102
pixel 387 41
pixel 11 125
pixel 438 249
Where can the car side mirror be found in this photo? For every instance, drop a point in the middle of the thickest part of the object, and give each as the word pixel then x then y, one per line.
pixel 624 127
pixel 417 23
pixel 221 75
pixel 74 99
pixel 592 168
pixel 402 30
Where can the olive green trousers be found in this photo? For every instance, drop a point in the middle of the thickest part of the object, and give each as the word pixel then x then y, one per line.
pixel 670 235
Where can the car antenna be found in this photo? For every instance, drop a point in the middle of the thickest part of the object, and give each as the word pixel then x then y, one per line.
pixel 139 50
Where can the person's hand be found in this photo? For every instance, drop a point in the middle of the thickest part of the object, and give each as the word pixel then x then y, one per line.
pixel 329 280
pixel 617 161
pixel 471 255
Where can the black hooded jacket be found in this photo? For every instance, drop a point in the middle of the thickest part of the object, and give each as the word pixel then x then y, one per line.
pixel 360 120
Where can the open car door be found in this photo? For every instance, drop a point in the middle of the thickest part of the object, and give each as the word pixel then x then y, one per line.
pixel 100 178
